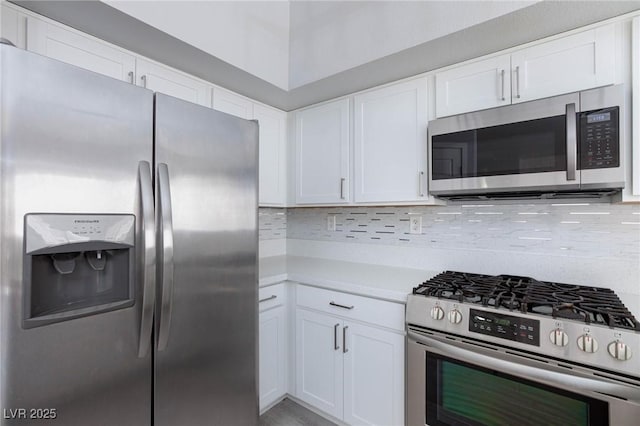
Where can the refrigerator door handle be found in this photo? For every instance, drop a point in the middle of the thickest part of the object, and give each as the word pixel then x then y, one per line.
pixel 165 263
pixel 148 257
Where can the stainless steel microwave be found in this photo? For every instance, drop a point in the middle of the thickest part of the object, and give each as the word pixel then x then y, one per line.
pixel 569 145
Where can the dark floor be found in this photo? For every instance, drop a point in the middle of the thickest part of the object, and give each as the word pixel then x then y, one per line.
pixel 288 413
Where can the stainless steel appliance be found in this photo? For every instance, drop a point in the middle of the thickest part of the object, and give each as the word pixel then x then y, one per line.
pixel 128 291
pixel 506 350
pixel 565 146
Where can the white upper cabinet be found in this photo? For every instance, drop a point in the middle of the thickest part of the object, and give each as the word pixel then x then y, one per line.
pixel 475 86
pixel 569 64
pixel 12 26
pixel 390 145
pixel 273 161
pixel 322 153
pixel 231 103
pixel 160 78
pixel 80 50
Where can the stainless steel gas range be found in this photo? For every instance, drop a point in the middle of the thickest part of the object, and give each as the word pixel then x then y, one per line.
pixel 505 350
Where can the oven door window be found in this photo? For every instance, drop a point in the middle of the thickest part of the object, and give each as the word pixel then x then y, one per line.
pixel 463 394
pixel 534 146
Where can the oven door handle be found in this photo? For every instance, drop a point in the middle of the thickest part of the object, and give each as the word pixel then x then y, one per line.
pixel 540 373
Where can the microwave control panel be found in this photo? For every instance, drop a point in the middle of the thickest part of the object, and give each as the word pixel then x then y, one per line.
pixel 599 139
pixel 510 327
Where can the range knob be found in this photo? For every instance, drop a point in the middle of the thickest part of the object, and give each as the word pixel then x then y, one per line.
pixel 559 337
pixel 454 316
pixel 619 350
pixel 587 343
pixel 437 313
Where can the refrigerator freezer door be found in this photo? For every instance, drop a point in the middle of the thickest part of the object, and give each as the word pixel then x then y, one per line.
pixel 205 367
pixel 71 141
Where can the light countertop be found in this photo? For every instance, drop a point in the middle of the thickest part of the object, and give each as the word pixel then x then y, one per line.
pixel 381 282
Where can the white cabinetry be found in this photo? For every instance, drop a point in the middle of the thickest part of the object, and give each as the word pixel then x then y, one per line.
pixel 13 25
pixel 576 62
pixel 160 78
pixel 231 103
pixel 319 361
pixel 373 375
pixel 568 64
pixel 272 344
pixel 78 49
pixel 273 159
pixel 322 153
pixel 478 85
pixel 390 145
pixel 350 356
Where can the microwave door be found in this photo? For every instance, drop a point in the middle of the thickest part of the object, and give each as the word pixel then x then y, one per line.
pixel 520 148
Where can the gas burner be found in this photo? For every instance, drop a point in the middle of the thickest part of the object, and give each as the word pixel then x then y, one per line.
pixel 592 305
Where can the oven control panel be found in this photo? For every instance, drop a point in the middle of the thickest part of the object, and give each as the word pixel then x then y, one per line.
pixel 509 327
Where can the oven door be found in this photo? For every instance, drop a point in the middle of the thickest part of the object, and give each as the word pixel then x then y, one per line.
pixel 518 148
pixel 453 381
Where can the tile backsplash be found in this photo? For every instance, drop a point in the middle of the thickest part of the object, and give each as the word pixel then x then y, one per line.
pixel 272 223
pixel 579 230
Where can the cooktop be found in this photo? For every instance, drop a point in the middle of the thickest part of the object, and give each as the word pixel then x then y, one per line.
pixel 592 305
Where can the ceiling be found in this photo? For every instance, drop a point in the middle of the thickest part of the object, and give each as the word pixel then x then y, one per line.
pixel 292 54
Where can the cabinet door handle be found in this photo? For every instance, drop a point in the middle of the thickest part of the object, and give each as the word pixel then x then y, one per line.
pixel 273 296
pixel 502 77
pixel 130 74
pixel 344 339
pixel 335 337
pixel 518 81
pixel 342 180
pixel 337 305
pixel 420 183
pixel 144 81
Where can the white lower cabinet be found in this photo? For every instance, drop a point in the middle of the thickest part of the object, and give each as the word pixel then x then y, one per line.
pixel 272 345
pixel 346 368
pixel 373 376
pixel 319 361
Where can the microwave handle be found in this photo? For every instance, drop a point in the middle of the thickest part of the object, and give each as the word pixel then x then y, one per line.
pixel 572 142
pixel 540 373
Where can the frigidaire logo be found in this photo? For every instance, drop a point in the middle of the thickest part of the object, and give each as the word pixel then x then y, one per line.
pixel 86 221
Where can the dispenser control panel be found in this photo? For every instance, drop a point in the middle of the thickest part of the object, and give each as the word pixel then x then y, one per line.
pixel 51 230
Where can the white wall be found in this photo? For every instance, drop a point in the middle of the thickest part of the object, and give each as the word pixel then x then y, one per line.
pixel 251 35
pixel 330 37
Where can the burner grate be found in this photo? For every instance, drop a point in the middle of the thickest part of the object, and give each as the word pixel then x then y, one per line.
pixel 592 305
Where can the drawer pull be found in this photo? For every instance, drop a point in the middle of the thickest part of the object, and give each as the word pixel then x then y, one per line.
pixel 340 306
pixel 273 296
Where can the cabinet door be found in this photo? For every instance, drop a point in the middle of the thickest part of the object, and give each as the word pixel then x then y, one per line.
pixel 322 153
pixel 273 147
pixel 78 49
pixel 319 361
pixel 272 348
pixel 373 376
pixel 475 86
pixel 233 104
pixel 390 145
pixel 12 25
pixel 569 64
pixel 173 83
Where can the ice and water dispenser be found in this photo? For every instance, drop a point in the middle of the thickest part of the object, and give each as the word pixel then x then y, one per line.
pixel 77 265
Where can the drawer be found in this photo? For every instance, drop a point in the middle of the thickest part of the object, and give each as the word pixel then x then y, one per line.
pixel 374 311
pixel 270 296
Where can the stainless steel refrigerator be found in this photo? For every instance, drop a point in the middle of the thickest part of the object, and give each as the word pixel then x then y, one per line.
pixel 128 253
